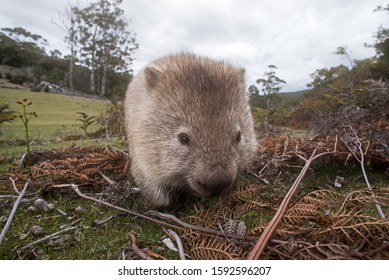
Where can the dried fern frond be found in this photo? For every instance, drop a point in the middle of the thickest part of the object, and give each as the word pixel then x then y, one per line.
pixel 211 248
pixel 364 198
pixel 347 230
pixel 235 226
pixel 238 202
pixel 330 218
pixel 302 250
pixel 83 165
pixel 314 207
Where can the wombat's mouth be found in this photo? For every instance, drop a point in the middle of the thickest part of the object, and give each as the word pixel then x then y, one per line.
pixel 199 189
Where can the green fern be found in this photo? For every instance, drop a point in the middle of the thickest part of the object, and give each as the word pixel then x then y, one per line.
pixel 85 121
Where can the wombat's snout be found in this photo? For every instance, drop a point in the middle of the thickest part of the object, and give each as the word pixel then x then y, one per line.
pixel 218 181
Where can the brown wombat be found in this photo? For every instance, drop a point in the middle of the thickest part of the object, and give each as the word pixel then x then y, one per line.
pixel 189 128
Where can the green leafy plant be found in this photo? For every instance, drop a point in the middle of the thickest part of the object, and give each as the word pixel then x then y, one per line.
pixel 26 117
pixel 85 121
pixel 112 120
pixel 6 114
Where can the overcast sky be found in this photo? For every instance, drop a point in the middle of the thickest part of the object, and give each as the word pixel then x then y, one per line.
pixel 298 36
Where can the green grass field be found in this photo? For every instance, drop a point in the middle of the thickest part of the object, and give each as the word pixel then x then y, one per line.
pixel 56 119
pixel 56 113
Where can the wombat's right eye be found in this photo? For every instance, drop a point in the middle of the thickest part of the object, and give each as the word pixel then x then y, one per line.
pixel 183 138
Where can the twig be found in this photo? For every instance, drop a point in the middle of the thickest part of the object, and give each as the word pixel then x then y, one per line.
pixel 14 208
pixel 107 179
pixel 179 243
pixel 14 185
pixel 205 230
pixel 361 160
pixel 22 160
pixel 164 216
pixel 101 222
pixel 8 196
pixel 77 190
pixel 135 248
pixel 258 177
pixel 46 238
pixel 70 224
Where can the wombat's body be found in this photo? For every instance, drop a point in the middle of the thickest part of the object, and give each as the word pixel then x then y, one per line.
pixel 189 127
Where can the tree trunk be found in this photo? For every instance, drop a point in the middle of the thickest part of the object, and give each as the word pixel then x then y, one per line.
pixel 103 79
pixel 92 81
pixel 71 67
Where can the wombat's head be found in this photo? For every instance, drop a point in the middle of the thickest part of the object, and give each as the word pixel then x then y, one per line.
pixel 202 125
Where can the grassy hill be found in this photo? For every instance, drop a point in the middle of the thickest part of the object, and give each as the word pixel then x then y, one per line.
pixel 56 119
pixel 56 113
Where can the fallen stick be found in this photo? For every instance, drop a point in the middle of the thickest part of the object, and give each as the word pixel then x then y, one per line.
pixel 361 159
pixel 135 248
pixel 46 238
pixel 164 216
pixel 14 208
pixel 179 243
pixel 79 193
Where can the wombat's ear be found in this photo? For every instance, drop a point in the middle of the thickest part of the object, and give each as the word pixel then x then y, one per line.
pixel 152 75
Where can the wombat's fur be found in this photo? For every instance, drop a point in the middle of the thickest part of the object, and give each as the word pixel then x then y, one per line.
pixel 189 128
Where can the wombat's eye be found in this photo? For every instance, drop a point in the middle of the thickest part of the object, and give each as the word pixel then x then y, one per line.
pixel 238 137
pixel 183 138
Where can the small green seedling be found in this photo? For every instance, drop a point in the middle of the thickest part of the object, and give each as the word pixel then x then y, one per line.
pixel 86 121
pixel 26 117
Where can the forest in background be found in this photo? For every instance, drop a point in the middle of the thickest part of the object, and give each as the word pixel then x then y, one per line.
pixel 100 46
pixel 360 84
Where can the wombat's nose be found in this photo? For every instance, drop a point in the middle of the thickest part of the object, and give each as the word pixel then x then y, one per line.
pixel 218 181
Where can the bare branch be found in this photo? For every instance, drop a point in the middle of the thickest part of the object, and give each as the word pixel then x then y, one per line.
pixel 179 243
pixel 353 143
pixel 14 185
pixel 46 238
pixel 161 215
pixel 136 249
pixel 14 208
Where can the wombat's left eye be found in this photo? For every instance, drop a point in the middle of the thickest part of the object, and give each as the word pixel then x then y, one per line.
pixel 183 138
pixel 238 137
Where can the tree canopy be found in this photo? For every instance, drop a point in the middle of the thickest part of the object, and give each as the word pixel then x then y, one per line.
pixel 100 47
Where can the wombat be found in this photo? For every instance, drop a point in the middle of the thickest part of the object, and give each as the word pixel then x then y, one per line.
pixel 189 128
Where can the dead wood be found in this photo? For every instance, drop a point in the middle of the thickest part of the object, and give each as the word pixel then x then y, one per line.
pixel 14 208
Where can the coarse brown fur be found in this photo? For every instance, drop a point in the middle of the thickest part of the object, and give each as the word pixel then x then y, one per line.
pixel 189 127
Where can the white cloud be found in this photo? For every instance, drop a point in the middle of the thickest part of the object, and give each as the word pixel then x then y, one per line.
pixel 297 36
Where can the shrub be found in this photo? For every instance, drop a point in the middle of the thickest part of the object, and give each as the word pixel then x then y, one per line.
pixel 85 121
pixel 112 121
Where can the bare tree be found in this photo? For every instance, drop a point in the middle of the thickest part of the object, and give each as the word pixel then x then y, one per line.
pixel 68 25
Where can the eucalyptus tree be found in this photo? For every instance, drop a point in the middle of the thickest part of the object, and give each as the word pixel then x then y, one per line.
pixel 68 25
pixel 270 86
pixel 104 41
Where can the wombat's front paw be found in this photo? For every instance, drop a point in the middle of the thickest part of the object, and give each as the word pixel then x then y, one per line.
pixel 158 198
